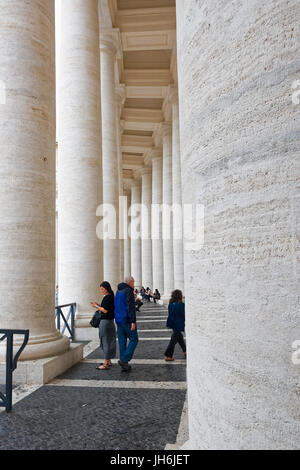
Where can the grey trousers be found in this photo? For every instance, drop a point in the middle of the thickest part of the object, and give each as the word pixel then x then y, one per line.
pixel 107 335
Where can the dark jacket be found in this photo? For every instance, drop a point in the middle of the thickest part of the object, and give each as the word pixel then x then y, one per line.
pixel 129 292
pixel 176 318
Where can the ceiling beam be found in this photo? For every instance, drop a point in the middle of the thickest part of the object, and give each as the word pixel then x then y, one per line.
pixel 148 40
pixel 147 77
pixel 142 115
pixel 146 19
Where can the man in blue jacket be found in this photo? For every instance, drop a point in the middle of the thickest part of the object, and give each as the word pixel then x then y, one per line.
pixel 125 317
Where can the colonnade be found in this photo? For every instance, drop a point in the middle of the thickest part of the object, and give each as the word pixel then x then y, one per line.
pixel 152 262
pixel 89 173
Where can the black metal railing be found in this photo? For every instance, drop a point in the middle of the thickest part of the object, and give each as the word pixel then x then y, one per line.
pixel 11 363
pixel 68 320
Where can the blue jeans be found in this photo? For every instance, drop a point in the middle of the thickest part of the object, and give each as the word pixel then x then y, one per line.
pixel 125 333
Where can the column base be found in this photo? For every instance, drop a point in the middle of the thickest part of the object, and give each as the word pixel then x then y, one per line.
pixel 39 346
pixel 86 333
pixel 165 299
pixel 42 371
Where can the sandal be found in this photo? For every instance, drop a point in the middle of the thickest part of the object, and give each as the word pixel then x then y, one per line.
pixel 103 367
pixel 169 359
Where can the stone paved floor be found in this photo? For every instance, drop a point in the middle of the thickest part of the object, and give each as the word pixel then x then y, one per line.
pixel 106 410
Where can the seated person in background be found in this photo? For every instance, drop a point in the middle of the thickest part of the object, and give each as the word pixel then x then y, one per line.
pixel 142 292
pixel 138 300
pixel 156 295
pixel 148 294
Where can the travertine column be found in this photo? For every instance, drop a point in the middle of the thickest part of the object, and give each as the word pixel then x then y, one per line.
pixel 240 159
pixel 127 241
pixel 27 176
pixel 135 220
pixel 147 278
pixel 110 164
pixel 156 222
pixel 167 213
pixel 79 162
pixel 120 99
pixel 177 193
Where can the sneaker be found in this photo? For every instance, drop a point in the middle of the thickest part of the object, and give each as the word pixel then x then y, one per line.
pixel 124 365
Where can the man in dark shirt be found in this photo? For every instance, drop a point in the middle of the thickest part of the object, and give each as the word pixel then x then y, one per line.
pixel 125 316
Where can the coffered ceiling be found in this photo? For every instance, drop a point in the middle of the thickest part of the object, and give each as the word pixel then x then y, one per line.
pixel 146 66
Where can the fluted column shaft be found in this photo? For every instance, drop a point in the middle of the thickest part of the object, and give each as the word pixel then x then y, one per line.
pixel 157 242
pixel 110 164
pixel 120 99
pixel 177 196
pixel 79 160
pixel 147 277
pixel 136 258
pixel 127 241
pixel 167 215
pixel 27 176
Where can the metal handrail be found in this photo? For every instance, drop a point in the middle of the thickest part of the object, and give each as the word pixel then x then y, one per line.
pixel 11 363
pixel 70 316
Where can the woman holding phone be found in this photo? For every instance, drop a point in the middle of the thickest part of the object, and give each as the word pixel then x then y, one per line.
pixel 107 330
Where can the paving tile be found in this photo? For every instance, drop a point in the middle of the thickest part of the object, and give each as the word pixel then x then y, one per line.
pixel 159 373
pixel 104 418
pixel 145 350
pixel 94 419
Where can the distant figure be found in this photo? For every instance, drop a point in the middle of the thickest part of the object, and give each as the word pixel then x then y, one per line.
pixel 138 300
pixel 148 294
pixel 143 292
pixel 125 316
pixel 156 295
pixel 176 321
pixel 56 295
pixel 107 330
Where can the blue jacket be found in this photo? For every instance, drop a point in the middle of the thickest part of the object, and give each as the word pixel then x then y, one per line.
pixel 128 291
pixel 176 318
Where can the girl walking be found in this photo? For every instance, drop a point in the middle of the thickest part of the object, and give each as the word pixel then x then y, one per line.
pixel 176 321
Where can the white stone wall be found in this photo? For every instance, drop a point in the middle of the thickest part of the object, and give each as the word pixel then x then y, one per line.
pixel 240 158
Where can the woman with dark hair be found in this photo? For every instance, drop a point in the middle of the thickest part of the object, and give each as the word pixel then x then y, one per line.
pixel 107 329
pixel 176 321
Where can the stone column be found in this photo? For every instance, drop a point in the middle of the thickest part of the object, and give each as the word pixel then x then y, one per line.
pixel 240 159
pixel 120 99
pixel 110 164
pixel 79 162
pixel 127 241
pixel 136 258
pixel 147 277
pixel 156 222
pixel 27 176
pixel 177 193
pixel 166 213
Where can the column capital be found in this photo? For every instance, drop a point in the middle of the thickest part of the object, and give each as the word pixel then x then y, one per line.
pixel 122 126
pixel 136 182
pixel 120 94
pixel 156 153
pixel 110 42
pixel 145 170
pixel 137 176
pixel 166 128
pixel 172 95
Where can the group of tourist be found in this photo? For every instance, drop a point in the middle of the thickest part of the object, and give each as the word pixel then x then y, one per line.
pixel 120 309
pixel 148 294
pixel 145 294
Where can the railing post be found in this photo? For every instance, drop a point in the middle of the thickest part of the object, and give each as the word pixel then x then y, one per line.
pixel 72 321
pixel 9 371
pixel 71 313
pixel 11 363
pixel 58 318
